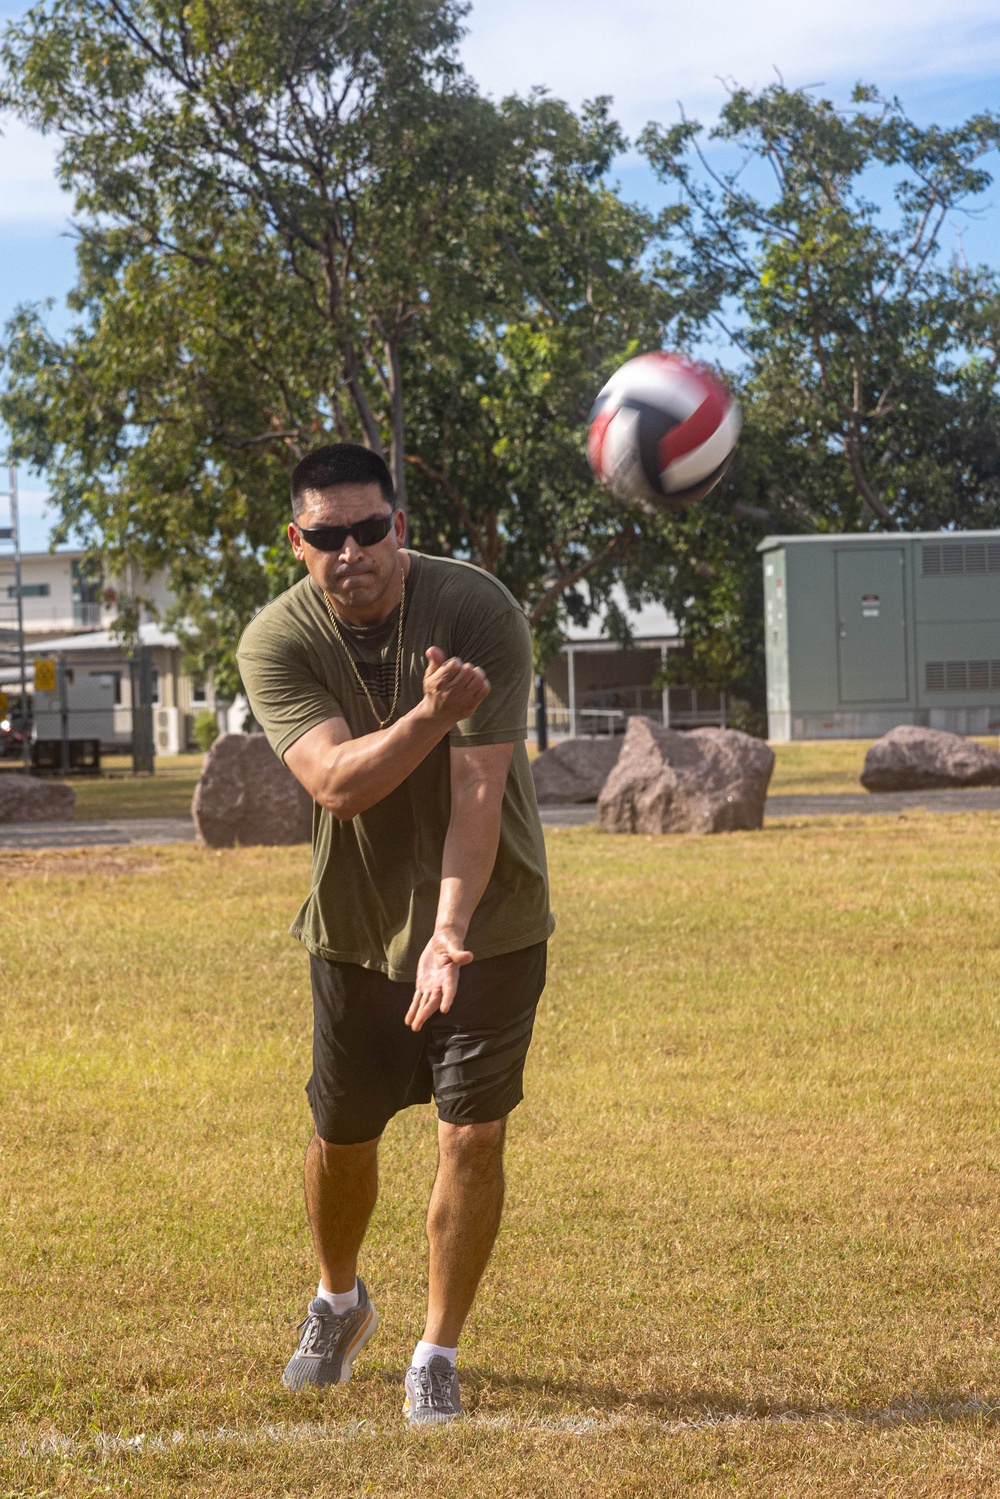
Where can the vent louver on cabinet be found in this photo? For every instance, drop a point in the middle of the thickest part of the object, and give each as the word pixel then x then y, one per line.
pixel 962 676
pixel 960 559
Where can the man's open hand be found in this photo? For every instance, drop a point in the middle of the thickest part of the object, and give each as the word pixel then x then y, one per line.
pixel 453 689
pixel 437 977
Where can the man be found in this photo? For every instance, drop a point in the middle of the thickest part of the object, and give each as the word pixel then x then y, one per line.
pixel 395 686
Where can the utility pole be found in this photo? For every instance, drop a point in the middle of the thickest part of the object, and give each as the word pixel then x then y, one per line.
pixel 541 716
pixel 63 672
pixel 12 533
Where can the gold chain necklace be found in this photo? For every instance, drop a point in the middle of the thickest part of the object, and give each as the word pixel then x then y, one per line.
pixel 382 722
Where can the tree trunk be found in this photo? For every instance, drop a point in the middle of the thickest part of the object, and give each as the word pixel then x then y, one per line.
pixel 397 415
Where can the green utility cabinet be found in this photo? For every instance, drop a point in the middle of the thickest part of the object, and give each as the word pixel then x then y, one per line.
pixel 864 632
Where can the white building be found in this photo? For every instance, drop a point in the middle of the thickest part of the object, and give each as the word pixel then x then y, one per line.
pixel 177 697
pixel 68 615
pixel 594 685
pixel 62 596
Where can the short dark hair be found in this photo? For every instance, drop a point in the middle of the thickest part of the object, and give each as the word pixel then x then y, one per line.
pixel 339 463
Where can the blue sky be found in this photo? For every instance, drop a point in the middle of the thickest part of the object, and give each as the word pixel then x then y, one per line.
pixel 942 57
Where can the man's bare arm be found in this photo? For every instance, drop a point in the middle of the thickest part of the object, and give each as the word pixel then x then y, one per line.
pixel 347 776
pixel 478 779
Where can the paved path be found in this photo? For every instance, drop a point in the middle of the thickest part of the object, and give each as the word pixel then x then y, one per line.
pixel 156 830
pixel 885 803
pixel 127 832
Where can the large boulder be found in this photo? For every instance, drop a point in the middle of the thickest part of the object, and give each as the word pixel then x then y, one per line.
pixel 25 798
pixel 245 795
pixel 574 771
pixel 703 781
pixel 909 758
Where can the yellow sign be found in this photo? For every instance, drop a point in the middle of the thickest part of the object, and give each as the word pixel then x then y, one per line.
pixel 3 702
pixel 45 674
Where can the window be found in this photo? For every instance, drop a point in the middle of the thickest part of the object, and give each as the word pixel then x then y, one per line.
pixel 115 678
pixel 198 695
pixel 87 583
pixel 30 591
pixel 154 687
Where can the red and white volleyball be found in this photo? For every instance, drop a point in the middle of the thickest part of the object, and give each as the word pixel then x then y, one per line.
pixel 662 431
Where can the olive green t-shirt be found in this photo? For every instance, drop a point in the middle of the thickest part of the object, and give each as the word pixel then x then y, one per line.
pixel 375 879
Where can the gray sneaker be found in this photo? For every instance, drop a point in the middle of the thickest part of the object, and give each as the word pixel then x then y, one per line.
pixel 329 1343
pixel 432 1395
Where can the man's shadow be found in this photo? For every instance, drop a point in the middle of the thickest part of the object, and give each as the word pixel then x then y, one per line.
pixel 567 1400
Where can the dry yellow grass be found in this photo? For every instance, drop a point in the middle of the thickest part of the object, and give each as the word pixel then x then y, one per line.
pixel 818 766
pixel 814 767
pixel 118 793
pixel 751 1235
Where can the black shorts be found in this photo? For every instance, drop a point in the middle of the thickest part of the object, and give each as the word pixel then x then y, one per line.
pixel 367 1065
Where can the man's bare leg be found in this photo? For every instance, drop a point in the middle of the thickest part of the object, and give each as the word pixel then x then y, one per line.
pixel 341 1191
pixel 462 1222
pixel 341 1188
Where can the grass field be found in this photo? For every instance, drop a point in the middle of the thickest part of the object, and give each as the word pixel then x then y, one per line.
pixel 118 793
pixel 751 1237
pixel 818 766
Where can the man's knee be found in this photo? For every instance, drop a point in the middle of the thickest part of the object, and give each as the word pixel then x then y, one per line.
pixel 472 1144
pixel 344 1159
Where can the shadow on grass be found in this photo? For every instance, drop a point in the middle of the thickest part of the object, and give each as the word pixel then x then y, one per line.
pixel 571 1400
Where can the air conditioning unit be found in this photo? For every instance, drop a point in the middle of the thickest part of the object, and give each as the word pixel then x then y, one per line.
pixel 167 731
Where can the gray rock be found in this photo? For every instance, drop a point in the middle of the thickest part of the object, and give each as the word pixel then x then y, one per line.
pixel 574 771
pixel 26 798
pixel 909 758
pixel 703 781
pixel 245 795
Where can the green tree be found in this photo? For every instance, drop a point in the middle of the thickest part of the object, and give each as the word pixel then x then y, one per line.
pixel 498 420
pixel 869 359
pixel 302 223
pixel 319 148
pixel 206 730
pixel 871 364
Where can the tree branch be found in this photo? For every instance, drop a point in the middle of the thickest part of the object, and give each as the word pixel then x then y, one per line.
pixel 455 495
pixel 556 590
pixel 862 485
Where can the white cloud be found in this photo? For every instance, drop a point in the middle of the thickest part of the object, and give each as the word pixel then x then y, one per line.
pixel 648 54
pixel 29 192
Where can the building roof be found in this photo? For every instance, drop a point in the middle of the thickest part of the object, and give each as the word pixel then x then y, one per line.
pixel 868 538
pixel 104 640
pixel 650 625
pixel 73 553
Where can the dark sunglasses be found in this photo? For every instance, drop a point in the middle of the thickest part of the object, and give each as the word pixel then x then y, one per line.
pixel 367 533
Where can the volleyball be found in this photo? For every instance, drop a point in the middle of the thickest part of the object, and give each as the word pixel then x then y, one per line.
pixel 662 431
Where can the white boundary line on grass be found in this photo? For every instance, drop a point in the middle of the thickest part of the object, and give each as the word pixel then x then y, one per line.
pixel 99 1443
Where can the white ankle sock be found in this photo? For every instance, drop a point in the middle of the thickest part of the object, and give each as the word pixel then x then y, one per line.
pixel 340 1301
pixel 424 1352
